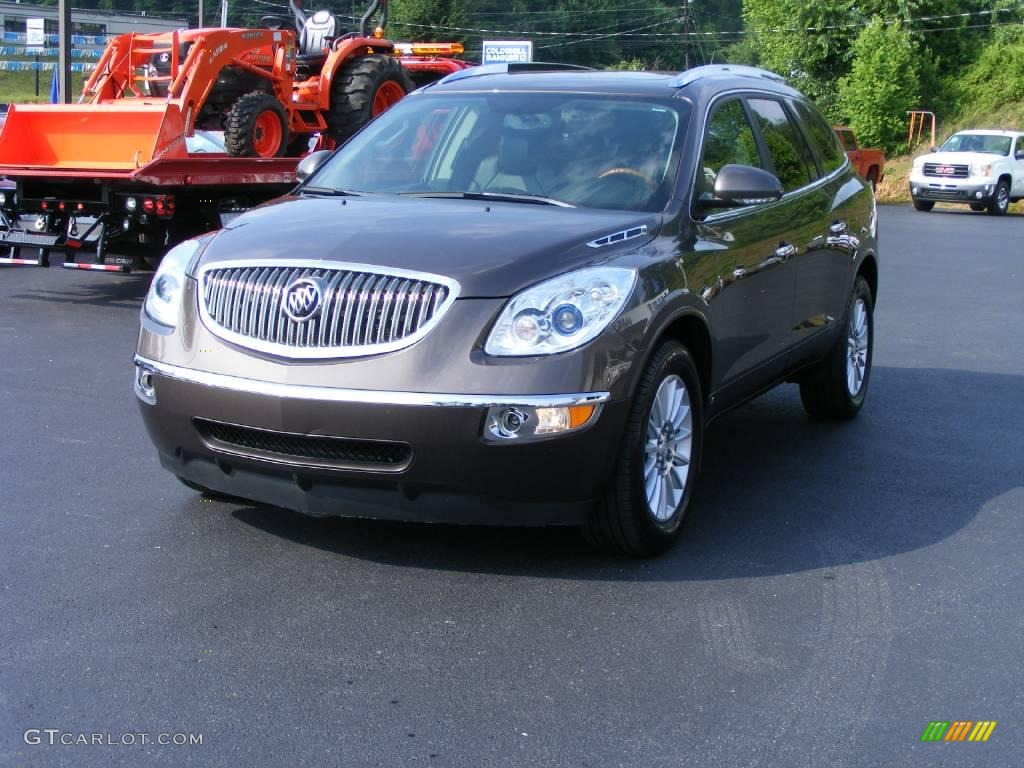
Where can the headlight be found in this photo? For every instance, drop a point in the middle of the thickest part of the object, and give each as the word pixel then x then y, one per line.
pixel 562 313
pixel 164 298
pixel 982 170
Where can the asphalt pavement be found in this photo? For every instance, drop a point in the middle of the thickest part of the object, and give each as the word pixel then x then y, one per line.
pixel 839 587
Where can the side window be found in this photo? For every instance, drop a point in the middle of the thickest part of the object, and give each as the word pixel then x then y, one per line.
pixel 789 154
pixel 823 139
pixel 729 139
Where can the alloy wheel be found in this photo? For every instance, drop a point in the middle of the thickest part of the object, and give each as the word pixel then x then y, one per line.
pixel 857 348
pixel 668 448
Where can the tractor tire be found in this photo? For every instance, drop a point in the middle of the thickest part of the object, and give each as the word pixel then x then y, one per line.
pixel 256 126
pixel 361 90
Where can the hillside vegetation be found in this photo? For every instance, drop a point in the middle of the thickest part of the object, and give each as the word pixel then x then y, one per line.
pixel 865 63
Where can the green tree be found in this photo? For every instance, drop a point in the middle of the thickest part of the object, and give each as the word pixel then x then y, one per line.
pixel 882 85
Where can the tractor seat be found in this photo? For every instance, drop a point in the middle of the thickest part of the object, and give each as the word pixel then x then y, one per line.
pixel 317 34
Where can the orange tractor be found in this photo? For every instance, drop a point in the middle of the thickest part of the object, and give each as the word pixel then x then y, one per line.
pixel 123 168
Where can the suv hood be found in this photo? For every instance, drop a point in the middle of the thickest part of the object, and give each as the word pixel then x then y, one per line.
pixel 961 158
pixel 494 249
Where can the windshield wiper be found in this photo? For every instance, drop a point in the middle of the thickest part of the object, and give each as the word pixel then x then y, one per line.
pixel 503 197
pixel 328 192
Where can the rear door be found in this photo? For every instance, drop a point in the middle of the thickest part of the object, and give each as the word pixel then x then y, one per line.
pixel 842 209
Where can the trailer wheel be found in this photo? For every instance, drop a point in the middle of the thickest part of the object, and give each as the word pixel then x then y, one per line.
pixel 256 126
pixel 363 88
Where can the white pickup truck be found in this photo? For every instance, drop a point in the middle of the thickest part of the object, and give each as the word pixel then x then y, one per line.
pixel 984 169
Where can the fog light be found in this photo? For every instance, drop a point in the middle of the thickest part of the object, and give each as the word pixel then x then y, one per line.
pixel 915 191
pixel 979 194
pixel 144 385
pixel 511 421
pixel 41 223
pixel 508 422
pixel 126 224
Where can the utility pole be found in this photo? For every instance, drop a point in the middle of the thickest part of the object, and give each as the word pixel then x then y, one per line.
pixel 64 51
pixel 686 34
pixel 224 13
pixel 200 14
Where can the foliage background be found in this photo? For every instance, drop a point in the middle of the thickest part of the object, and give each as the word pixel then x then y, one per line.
pixel 865 62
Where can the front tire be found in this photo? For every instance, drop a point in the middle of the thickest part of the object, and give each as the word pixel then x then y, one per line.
pixel 1000 199
pixel 978 207
pixel 872 178
pixel 657 468
pixel 256 126
pixel 924 205
pixel 835 388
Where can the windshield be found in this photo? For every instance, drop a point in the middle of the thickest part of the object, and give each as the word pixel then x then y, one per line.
pixel 973 142
pixel 582 150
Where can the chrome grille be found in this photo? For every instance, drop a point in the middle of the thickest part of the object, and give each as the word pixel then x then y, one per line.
pixel 950 171
pixel 361 310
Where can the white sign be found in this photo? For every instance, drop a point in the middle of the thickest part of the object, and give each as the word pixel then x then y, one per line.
pixel 34 34
pixel 507 52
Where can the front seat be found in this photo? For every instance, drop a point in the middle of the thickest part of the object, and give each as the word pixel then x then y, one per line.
pixel 317 33
pixel 514 168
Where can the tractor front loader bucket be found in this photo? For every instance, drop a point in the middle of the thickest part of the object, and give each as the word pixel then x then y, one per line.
pixel 113 136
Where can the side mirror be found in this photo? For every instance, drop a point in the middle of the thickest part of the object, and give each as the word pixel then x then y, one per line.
pixel 1019 155
pixel 739 185
pixel 934 149
pixel 310 164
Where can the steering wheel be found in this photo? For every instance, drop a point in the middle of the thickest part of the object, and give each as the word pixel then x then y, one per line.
pixel 633 172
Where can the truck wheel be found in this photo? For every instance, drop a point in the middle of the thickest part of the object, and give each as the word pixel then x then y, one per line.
pixel 1000 199
pixel 924 205
pixel 872 178
pixel 361 90
pixel 256 126
pixel 660 456
pixel 835 388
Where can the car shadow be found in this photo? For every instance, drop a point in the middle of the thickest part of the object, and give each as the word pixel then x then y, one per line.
pixel 122 292
pixel 779 494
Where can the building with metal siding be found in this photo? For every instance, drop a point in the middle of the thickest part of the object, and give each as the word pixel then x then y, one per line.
pixel 85 22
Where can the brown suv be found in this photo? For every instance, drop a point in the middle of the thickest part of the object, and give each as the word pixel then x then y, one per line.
pixel 518 297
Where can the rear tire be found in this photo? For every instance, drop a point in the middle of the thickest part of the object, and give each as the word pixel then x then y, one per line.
pixel 924 205
pixel 363 88
pixel 256 126
pixel 1000 199
pixel 653 481
pixel 835 388
pixel 872 178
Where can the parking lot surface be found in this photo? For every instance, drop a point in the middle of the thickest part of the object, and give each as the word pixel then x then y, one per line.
pixel 838 588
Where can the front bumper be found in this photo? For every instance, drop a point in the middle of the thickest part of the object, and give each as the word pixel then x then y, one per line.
pixel 454 474
pixel 951 190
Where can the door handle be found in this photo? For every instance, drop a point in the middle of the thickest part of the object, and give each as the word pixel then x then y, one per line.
pixel 837 228
pixel 785 251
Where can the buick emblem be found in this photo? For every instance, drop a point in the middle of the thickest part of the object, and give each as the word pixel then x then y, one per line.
pixel 302 299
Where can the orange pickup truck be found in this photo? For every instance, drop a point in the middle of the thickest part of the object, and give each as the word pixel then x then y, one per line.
pixel 869 163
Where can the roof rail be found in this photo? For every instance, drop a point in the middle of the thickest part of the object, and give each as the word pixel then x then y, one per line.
pixel 509 69
pixel 683 79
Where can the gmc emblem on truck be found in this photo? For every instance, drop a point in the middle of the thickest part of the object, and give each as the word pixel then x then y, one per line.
pixel 945 170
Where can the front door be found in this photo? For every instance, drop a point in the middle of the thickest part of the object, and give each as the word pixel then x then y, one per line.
pixel 751 307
